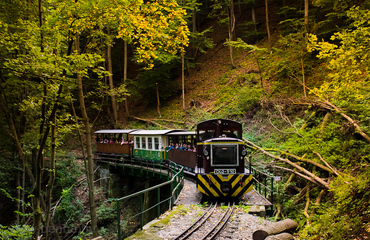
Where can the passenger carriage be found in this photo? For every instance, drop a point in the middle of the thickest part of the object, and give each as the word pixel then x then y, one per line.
pixel 114 141
pixel 186 158
pixel 151 144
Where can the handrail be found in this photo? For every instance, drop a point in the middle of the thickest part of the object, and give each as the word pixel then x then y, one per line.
pixel 261 185
pixel 149 189
pixel 177 178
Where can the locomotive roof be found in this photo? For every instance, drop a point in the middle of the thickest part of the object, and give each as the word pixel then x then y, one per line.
pixel 182 133
pixel 116 131
pixel 154 132
pixel 224 139
pixel 219 119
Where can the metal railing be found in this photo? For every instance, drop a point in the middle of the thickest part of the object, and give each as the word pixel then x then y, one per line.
pixel 176 173
pixel 124 161
pixel 262 180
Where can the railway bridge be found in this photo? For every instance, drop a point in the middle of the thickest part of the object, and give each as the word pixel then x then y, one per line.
pixel 154 185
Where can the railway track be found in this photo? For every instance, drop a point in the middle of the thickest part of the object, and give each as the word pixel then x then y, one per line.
pixel 209 225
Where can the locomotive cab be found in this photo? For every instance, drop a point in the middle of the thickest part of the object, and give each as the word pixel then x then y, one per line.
pixel 221 153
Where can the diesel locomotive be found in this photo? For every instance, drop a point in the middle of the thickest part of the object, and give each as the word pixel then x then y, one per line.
pixel 215 153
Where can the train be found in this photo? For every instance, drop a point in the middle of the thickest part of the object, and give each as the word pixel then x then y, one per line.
pixel 214 154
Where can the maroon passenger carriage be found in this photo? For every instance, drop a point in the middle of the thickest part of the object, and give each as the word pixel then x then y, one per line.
pixel 114 141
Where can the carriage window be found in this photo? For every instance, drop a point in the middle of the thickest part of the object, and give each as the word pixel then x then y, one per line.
pixel 156 143
pixel 143 142
pixel 137 142
pixel 150 145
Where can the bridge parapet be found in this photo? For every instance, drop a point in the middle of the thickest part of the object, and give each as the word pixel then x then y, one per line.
pixel 165 193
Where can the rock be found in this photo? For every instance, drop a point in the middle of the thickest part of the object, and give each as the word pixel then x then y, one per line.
pixel 258 210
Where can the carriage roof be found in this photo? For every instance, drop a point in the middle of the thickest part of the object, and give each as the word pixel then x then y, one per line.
pixel 109 131
pixel 154 132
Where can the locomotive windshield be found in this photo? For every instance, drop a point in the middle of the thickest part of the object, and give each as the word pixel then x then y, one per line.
pixel 224 155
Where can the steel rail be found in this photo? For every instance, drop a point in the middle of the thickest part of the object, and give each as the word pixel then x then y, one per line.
pixel 221 224
pixel 190 230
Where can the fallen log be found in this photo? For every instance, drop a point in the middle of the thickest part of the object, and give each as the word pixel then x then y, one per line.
pixel 287 225
pixel 150 121
pixel 281 236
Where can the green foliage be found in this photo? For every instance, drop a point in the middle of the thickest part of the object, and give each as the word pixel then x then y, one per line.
pixel 163 73
pixel 200 42
pixel 245 208
pixel 335 145
pixel 17 232
pixel 67 172
pixel 250 35
pixel 348 62
pixel 203 204
pixel 247 97
pixel 7 169
pixel 106 211
pixel 70 209
pixel 348 215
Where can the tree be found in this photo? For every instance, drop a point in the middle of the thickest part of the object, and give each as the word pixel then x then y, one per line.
pixel 135 22
pixel 111 87
pixel 347 62
pixel 268 24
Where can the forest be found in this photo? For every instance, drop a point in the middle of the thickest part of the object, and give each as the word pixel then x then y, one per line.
pixel 294 72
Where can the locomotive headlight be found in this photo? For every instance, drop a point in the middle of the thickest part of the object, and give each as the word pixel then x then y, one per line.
pixel 244 152
pixel 205 152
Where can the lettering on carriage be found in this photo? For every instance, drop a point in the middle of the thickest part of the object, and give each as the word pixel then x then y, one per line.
pixel 225 171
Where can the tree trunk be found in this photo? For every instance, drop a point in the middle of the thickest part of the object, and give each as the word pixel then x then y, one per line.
pixel 281 236
pixel 90 163
pixel 22 191
pixel 158 103
pixel 303 77
pixel 317 202
pixel 49 187
pixel 18 196
pixel 267 24
pixel 111 86
pixel 287 225
pixel 125 75
pixel 285 15
pixel 308 200
pixel 306 15
pixel 231 30
pixel 254 19
pixel 183 80
pixel 37 215
pixel 194 22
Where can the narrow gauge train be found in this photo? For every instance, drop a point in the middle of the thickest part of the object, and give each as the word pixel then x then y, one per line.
pixel 215 153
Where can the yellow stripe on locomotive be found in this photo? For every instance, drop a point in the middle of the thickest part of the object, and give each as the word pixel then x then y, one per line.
pixel 233 185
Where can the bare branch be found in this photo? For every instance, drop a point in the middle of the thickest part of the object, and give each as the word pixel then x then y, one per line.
pixel 297 173
pixel 357 127
pixel 303 159
pixel 299 168
pixel 327 164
